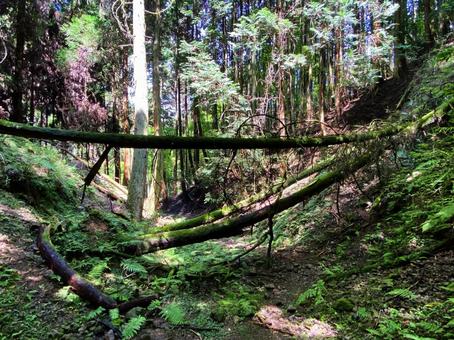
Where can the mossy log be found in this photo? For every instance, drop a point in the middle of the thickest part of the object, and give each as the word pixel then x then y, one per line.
pixel 235 225
pixel 175 142
pixel 59 266
pixel 228 210
pixel 79 285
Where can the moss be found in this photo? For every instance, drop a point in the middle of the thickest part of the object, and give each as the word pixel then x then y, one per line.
pixel 344 305
pixel 37 175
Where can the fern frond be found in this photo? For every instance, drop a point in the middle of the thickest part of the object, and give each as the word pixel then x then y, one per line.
pixel 133 326
pixel 173 313
pixel 94 313
pixel 132 266
pixel 402 293
pixel 315 292
pixel 97 270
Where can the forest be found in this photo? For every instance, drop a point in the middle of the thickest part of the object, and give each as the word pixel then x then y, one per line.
pixel 226 169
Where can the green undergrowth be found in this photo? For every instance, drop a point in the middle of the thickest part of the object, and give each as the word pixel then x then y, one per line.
pixel 390 276
pixel 37 174
pixel 193 291
pixel 378 277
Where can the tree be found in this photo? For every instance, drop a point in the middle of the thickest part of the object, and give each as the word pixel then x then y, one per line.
pixel 157 184
pixel 137 184
pixel 18 114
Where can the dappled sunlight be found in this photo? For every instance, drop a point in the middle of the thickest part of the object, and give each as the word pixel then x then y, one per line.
pixel 273 317
pixel 7 249
pixel 23 214
pixel 13 256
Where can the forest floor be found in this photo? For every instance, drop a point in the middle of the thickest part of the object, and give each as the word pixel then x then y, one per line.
pixel 351 263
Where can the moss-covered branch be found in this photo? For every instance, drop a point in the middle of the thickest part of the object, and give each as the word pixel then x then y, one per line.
pixel 228 210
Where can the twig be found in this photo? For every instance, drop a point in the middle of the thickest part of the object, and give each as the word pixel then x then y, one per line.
pixel 260 242
pixel 271 238
pixel 197 334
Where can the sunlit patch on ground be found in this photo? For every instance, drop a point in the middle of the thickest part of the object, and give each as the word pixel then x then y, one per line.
pixel 274 318
pixel 23 214
pixel 7 249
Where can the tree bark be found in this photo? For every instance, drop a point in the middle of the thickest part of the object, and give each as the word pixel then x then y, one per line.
pixel 157 190
pixel 59 266
pixel 401 68
pixel 321 90
pixel 124 119
pixel 427 21
pixel 137 185
pixel 175 142
pixel 79 285
pixel 18 114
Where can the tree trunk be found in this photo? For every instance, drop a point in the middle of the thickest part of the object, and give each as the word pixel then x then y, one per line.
pixel 401 68
pixel 158 189
pixel 79 285
pixel 228 210
pixel 175 142
pixel 124 119
pixel 427 21
pixel 321 91
pixel 137 185
pixel 338 89
pixel 18 114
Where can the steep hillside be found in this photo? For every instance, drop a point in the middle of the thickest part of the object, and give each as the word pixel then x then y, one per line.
pixel 370 258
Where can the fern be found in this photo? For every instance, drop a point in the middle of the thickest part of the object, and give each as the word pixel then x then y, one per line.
pixel 132 266
pixel 131 328
pixel 94 313
pixel 97 270
pixel 315 292
pixel 115 316
pixel 173 313
pixel 402 293
pixel 362 313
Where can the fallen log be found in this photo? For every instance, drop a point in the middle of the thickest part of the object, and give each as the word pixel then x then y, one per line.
pixel 228 210
pixel 176 142
pixel 79 285
pixel 118 186
pixel 59 266
pixel 234 226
